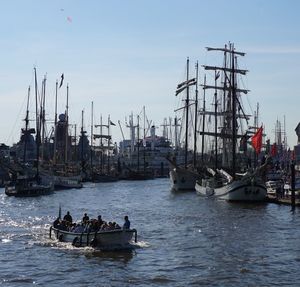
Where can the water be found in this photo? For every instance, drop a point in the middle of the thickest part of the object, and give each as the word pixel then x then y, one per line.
pixel 183 240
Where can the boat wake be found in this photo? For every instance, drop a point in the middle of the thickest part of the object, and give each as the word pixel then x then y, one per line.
pixel 141 244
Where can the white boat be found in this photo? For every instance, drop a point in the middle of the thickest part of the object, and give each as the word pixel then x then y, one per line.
pixel 272 185
pixel 205 187
pixel 249 186
pixel 104 240
pixel 183 179
pixel 67 182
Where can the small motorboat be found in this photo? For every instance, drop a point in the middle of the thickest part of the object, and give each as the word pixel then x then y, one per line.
pixel 103 239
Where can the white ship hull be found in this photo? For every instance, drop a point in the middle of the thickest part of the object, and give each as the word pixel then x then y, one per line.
pixel 205 187
pixel 183 179
pixel 245 189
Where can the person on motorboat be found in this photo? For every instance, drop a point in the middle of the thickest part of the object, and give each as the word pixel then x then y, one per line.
pixel 56 222
pixel 116 225
pixel 68 217
pixel 100 221
pixel 126 224
pixel 79 228
pixel 62 225
pixel 85 218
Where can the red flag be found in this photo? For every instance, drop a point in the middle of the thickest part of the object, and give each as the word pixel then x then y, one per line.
pixel 274 149
pixel 293 155
pixel 257 140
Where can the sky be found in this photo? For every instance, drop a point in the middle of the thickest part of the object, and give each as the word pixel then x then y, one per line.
pixel 125 54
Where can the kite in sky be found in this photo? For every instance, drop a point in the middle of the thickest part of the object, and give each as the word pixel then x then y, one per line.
pixel 69 19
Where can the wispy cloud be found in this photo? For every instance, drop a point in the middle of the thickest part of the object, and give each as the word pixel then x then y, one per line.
pixel 274 49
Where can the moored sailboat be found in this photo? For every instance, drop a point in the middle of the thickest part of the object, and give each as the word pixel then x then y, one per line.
pixel 31 182
pixel 184 178
pixel 248 186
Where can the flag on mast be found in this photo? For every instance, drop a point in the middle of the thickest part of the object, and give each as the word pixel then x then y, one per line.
pixel 62 80
pixel 256 140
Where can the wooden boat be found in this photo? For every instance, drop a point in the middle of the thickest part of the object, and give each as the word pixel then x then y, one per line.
pixel 104 240
pixel 27 187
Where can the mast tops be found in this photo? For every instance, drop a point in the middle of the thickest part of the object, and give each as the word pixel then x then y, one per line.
pixel 232 51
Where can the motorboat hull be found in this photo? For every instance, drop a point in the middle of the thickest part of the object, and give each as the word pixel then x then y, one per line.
pixel 106 240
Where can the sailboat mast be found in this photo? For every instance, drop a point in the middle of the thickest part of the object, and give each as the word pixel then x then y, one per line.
pixel 216 122
pixel 75 144
pixel 82 133
pixel 43 120
pixel 92 124
pixel 101 144
pixel 203 122
pixel 37 138
pixel 138 143
pixel 67 126
pixel 108 146
pixel 55 125
pixel 196 118
pixel 233 111
pixel 187 115
pixel 176 133
pixel 144 141
pixel 26 126
pixel 225 124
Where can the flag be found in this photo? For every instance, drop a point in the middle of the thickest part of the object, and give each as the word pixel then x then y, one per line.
pixel 186 83
pixel 62 80
pixel 257 140
pixel 181 87
pixel 274 149
pixel 111 123
pixel 293 157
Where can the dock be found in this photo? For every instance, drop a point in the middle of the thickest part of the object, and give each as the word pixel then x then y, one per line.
pixel 283 200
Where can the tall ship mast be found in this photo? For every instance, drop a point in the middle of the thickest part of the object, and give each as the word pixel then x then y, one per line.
pixel 184 177
pixel 231 124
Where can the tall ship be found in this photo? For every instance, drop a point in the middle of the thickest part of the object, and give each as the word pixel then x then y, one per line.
pixel 183 176
pixel 27 179
pixel 232 175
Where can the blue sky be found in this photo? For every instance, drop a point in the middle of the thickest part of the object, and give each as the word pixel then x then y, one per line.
pixel 124 55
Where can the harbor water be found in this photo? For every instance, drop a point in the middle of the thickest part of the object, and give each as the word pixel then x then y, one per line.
pixel 183 240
